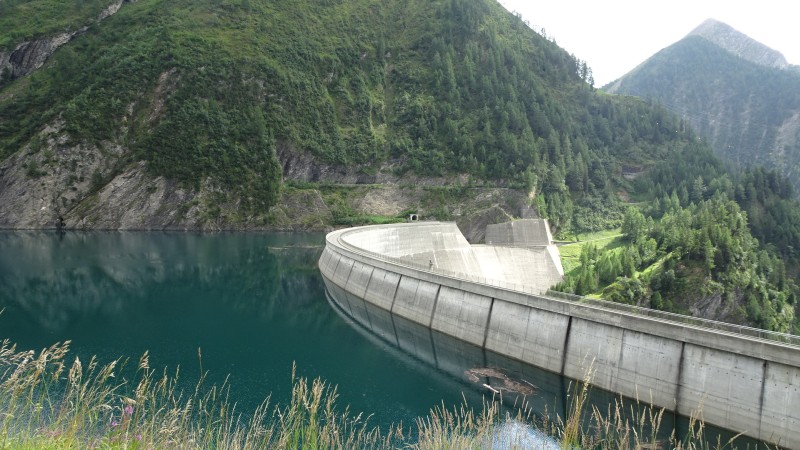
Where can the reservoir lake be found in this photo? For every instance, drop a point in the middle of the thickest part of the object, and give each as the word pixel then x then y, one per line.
pixel 253 303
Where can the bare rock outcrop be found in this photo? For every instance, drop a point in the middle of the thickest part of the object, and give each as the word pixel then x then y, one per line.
pixel 473 226
pixel 740 44
pixel 300 209
pixel 136 200
pixel 299 165
pixel 50 176
pixel 715 306
pixel 31 55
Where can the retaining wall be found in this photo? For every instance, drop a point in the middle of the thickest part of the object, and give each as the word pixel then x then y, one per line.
pixel 742 383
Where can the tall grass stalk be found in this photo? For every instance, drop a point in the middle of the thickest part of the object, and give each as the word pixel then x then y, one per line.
pixel 48 401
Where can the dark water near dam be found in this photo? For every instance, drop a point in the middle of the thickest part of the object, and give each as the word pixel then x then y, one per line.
pixel 254 304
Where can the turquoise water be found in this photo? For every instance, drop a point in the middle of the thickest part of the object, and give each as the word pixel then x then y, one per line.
pixel 253 304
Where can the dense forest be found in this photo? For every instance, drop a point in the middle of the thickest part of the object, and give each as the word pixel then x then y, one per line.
pixel 206 93
pixel 694 241
pixel 444 86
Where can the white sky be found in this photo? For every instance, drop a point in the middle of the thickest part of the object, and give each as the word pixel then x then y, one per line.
pixel 614 36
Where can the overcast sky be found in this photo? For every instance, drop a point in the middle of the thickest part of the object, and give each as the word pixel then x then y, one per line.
pixel 614 36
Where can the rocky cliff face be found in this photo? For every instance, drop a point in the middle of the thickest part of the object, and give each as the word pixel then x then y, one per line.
pixel 91 186
pixel 135 200
pixel 31 55
pixel 740 44
pixel 83 184
pixel 39 184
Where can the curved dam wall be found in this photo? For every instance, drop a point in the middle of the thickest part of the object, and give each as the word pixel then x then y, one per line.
pixel 739 382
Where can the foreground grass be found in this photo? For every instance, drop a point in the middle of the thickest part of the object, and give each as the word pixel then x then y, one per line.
pixel 47 403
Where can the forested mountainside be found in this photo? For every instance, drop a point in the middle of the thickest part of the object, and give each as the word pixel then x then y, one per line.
pixel 220 97
pixel 737 93
pixel 247 114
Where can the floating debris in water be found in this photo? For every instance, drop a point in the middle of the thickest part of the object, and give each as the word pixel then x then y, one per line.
pixel 499 381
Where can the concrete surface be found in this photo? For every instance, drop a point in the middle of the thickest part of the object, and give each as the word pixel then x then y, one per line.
pixel 415 300
pixel 441 248
pixel 735 381
pixel 462 314
pixel 520 233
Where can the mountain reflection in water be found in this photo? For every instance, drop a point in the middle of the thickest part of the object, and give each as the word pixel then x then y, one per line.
pixel 54 283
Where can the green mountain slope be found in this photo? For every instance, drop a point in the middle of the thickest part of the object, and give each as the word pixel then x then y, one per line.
pixel 209 93
pixel 748 112
pixel 25 20
pixel 247 114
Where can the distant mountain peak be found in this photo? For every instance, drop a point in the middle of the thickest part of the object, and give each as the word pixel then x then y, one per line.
pixel 739 44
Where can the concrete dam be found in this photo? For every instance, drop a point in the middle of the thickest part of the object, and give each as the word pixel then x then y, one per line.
pixel 495 297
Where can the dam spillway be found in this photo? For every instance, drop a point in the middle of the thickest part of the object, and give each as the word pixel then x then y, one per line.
pixel 494 297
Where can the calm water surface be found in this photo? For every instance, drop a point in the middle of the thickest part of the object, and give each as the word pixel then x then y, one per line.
pixel 254 304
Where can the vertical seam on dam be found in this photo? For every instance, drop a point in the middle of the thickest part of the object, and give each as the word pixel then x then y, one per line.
pixel 391 307
pixel 488 321
pixel 566 345
pixel 366 289
pixel 344 288
pixel 615 370
pixel 394 297
pixel 394 329
pixel 435 302
pixel 349 274
pixel 366 286
pixel 333 272
pixel 433 347
pixel 763 395
pixel 679 382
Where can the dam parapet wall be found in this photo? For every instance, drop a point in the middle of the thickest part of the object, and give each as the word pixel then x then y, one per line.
pixel 737 378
